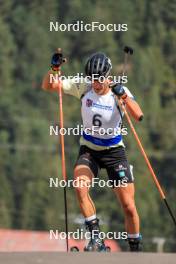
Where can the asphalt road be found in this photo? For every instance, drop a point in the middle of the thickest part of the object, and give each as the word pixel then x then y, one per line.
pixel 87 258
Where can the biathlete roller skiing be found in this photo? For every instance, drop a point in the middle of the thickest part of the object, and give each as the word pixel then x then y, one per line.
pixel 103 105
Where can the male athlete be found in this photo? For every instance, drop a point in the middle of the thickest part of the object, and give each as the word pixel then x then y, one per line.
pixel 100 109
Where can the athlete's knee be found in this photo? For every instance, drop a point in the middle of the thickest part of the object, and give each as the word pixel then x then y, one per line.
pixel 129 208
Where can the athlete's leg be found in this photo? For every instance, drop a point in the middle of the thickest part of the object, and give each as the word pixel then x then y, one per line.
pixel 126 198
pixel 85 170
pixel 83 177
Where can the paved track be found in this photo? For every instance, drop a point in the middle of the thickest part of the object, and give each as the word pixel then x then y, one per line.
pixel 87 258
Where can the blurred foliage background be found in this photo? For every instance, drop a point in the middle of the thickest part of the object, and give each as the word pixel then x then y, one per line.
pixel 29 156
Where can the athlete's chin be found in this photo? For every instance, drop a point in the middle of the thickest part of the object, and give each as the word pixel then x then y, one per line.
pixel 99 92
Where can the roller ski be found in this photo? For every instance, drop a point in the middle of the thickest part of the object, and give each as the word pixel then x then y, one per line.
pixel 95 243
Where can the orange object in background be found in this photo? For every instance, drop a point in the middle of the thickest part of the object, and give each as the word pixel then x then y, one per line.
pixel 30 241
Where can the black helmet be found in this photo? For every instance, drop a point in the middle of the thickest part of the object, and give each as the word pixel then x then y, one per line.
pixel 98 65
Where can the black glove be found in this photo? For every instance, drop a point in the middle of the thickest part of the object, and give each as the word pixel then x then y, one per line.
pixel 56 60
pixel 118 90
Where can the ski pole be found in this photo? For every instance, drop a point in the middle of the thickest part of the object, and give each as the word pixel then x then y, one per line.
pixel 60 60
pixel 147 161
pixel 129 51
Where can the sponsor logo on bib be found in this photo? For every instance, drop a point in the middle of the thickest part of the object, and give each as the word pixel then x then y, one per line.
pixel 89 103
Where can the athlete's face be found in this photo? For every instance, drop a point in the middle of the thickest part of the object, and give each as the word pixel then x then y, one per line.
pixel 100 88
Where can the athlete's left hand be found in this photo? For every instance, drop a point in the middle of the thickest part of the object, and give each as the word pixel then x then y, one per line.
pixel 119 91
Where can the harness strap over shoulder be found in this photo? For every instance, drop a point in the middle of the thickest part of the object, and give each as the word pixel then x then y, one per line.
pixel 118 107
pixel 88 89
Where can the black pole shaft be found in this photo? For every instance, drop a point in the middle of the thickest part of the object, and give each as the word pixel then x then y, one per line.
pixel 66 216
pixel 170 211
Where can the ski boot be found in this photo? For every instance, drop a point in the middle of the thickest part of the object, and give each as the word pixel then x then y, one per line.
pixel 135 244
pixel 95 243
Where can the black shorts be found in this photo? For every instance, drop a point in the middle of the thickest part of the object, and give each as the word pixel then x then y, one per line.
pixel 114 160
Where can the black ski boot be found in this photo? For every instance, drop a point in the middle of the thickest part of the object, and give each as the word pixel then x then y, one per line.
pixel 95 243
pixel 135 244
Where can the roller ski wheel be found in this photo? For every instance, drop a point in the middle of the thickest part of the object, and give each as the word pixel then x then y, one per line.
pixel 74 249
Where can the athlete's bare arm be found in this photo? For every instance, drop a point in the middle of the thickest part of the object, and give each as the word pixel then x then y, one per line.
pixel 50 86
pixel 134 108
pixel 131 105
